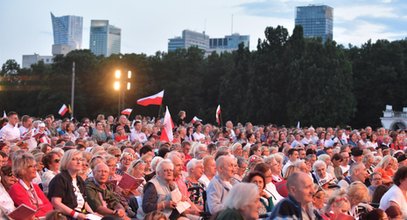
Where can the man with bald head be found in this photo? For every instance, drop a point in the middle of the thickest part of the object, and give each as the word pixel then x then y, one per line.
pixel 101 196
pixel 220 185
pixel 300 191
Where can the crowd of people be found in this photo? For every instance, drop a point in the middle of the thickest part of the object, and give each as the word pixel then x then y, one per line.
pixel 116 168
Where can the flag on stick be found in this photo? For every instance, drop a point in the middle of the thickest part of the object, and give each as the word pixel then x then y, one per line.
pixel 195 119
pixel 156 99
pixel 298 124
pixel 127 111
pixel 63 110
pixel 4 114
pixel 168 125
pixel 218 112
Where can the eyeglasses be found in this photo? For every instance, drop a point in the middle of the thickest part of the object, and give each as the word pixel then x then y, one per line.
pixel 56 160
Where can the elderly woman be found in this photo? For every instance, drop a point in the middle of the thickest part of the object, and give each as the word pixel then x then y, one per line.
pixel 125 161
pixel 51 163
pixel 242 203
pixel 67 189
pixel 322 177
pixel 338 206
pixel 99 133
pixel 157 192
pixel 318 201
pixel 385 167
pixel 111 162
pixel 137 170
pixel 24 191
pixel 358 196
pixel 7 180
pixel 195 170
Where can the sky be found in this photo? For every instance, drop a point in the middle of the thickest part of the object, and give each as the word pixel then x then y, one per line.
pixel 25 25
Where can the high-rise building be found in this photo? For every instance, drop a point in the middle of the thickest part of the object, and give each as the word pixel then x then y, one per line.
pixel 229 43
pixel 189 39
pixel 67 33
pixel 317 21
pixel 105 39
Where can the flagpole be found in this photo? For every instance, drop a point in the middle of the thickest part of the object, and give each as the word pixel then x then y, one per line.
pixel 73 89
pixel 160 109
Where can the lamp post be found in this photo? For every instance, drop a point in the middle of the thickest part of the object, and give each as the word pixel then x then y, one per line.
pixel 118 86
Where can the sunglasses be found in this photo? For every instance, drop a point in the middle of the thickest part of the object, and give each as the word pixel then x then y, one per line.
pixel 56 160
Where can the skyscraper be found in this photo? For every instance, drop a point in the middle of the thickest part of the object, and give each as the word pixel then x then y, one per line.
pixel 317 21
pixel 188 39
pixel 67 33
pixel 229 43
pixel 105 39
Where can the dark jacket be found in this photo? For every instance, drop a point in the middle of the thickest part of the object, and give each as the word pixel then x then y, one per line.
pixel 288 207
pixel 61 186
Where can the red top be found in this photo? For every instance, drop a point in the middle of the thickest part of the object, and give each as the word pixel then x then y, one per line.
pixel 20 195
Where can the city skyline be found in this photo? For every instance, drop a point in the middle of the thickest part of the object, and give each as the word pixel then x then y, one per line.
pixel 147 26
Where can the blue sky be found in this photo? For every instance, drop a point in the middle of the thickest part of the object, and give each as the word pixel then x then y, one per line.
pixel 146 25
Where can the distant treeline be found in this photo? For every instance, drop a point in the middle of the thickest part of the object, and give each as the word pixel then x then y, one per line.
pixel 287 79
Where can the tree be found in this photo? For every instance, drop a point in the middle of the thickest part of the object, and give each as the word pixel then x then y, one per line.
pixel 10 67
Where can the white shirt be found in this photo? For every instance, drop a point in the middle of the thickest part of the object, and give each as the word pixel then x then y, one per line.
pixel 271 190
pixel 204 180
pixel 394 194
pixel 198 137
pixel 28 136
pixel 10 132
pixel 78 194
pixel 6 203
pixel 137 136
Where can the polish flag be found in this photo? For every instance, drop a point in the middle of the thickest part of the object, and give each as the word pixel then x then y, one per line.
pixel 156 99
pixel 168 125
pixel 218 112
pixel 195 119
pixel 127 111
pixel 63 110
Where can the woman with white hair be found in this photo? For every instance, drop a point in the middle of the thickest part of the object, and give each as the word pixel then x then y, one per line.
pixel 241 203
pixel 157 192
pixel 322 177
pixel 195 170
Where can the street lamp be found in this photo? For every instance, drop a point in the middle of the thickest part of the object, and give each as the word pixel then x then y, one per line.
pixel 117 86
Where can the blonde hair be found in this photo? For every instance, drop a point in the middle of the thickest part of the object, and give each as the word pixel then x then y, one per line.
pixel 358 192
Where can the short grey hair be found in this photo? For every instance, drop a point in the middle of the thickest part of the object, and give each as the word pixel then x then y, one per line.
pixel 193 163
pixel 318 163
pixel 154 162
pixel 161 163
pixel 240 195
pixel 21 162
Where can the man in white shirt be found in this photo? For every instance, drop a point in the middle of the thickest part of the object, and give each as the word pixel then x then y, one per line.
pixel 292 157
pixel 27 132
pixel 10 131
pixel 137 134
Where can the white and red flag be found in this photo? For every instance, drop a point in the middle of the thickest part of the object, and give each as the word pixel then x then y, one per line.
pixel 168 125
pixel 4 114
pixel 218 112
pixel 126 111
pixel 195 119
pixel 63 110
pixel 156 99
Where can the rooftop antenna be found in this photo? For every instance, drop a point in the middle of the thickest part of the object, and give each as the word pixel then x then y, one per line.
pixel 231 25
pixel 205 26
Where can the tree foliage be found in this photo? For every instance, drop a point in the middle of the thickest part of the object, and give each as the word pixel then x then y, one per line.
pixel 287 79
